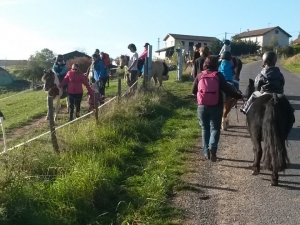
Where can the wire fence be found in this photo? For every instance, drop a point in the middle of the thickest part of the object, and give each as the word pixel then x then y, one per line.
pixel 119 95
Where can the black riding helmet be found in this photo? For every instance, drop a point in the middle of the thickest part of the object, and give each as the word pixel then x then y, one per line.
pixel 270 58
pixel 226 55
pixel 227 42
pixel 59 58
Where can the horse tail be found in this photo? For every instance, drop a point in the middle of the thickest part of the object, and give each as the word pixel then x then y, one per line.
pixel 273 130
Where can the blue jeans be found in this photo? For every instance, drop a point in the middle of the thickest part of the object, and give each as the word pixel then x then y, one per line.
pixel 210 118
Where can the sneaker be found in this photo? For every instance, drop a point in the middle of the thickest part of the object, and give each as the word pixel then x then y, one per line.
pixel 213 156
pixel 242 110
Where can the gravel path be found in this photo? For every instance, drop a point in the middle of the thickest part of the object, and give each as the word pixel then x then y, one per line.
pixel 225 192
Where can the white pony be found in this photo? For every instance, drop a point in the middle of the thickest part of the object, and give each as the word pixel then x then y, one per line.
pixel 51 83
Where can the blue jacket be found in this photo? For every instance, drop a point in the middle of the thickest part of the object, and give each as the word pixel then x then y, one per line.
pixel 61 69
pixel 99 70
pixel 226 69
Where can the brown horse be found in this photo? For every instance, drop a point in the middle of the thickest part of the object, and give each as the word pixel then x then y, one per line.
pixel 51 83
pixel 230 102
pixel 158 69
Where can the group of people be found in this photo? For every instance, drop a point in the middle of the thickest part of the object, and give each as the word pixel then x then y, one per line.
pixel 98 72
pixel 212 77
pixel 71 81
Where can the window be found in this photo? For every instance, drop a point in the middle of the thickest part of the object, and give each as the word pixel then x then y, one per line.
pixel 199 43
pixel 182 42
pixel 276 31
pixel 205 44
pixel 171 43
pixel 191 44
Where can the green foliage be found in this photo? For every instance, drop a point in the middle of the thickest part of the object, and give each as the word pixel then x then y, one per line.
pixel 215 47
pixel 36 65
pixel 244 47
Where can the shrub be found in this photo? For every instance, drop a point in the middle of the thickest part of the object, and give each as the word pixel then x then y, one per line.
pixel 83 62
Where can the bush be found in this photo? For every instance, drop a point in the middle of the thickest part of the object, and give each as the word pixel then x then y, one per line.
pixel 83 62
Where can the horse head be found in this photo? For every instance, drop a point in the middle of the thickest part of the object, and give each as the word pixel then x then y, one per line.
pixel 123 61
pixel 48 79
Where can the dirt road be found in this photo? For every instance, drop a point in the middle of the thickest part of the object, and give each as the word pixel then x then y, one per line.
pixel 225 192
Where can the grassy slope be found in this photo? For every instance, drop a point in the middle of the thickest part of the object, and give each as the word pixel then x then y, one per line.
pixel 23 108
pixel 121 171
pixel 292 64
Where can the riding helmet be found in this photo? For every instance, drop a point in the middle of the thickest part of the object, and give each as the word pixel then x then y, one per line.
pixel 59 58
pixel 226 55
pixel 227 42
pixel 270 57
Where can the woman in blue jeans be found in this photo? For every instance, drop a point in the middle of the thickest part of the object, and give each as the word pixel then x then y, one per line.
pixel 210 112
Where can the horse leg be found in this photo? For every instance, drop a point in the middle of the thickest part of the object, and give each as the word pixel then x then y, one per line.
pixel 257 156
pixel 155 80
pixel 57 107
pixel 225 121
pixel 47 117
pixel 274 178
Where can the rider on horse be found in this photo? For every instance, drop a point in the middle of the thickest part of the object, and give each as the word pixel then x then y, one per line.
pixel 227 69
pixel 270 80
pixel 226 47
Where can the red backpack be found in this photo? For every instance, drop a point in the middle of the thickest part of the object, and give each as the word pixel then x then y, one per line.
pixel 106 60
pixel 208 89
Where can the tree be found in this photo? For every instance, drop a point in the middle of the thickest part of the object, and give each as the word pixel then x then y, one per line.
pixel 36 65
pixel 215 47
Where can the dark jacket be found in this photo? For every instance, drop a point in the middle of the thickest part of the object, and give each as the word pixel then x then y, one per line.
pixel 196 55
pixel 198 66
pixel 270 80
pixel 223 85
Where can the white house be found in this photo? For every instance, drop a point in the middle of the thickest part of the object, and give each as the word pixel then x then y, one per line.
pixel 264 36
pixel 187 41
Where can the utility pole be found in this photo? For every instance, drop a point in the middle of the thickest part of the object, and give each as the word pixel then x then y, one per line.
pixel 269 24
pixel 158 44
pixel 225 35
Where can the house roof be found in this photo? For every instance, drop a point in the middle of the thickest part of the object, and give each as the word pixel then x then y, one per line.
pixel 164 49
pixel 190 37
pixel 74 54
pixel 296 41
pixel 253 33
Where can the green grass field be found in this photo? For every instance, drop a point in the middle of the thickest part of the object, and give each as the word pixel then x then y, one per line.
pixel 121 171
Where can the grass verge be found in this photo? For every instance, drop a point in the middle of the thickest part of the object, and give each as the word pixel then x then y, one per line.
pixel 249 59
pixel 292 64
pixel 121 171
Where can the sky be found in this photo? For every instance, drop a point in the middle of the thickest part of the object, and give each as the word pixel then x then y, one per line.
pixel 27 26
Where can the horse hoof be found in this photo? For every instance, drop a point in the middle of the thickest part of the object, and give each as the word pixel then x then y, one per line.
pixel 255 172
pixel 273 184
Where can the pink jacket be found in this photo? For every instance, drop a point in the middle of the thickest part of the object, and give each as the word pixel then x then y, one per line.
pixel 144 54
pixel 74 80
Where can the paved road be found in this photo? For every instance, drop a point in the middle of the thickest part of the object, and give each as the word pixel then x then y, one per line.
pixel 235 196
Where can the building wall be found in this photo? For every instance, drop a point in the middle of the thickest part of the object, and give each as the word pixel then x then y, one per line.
pixel 160 55
pixel 259 39
pixel 282 38
pixel 265 40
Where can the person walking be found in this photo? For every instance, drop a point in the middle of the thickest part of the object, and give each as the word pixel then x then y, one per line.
pixel 74 79
pixel 208 87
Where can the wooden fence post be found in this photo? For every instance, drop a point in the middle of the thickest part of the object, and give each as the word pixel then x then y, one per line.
pixel 96 100
pixel 51 122
pixel 4 135
pixel 119 89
